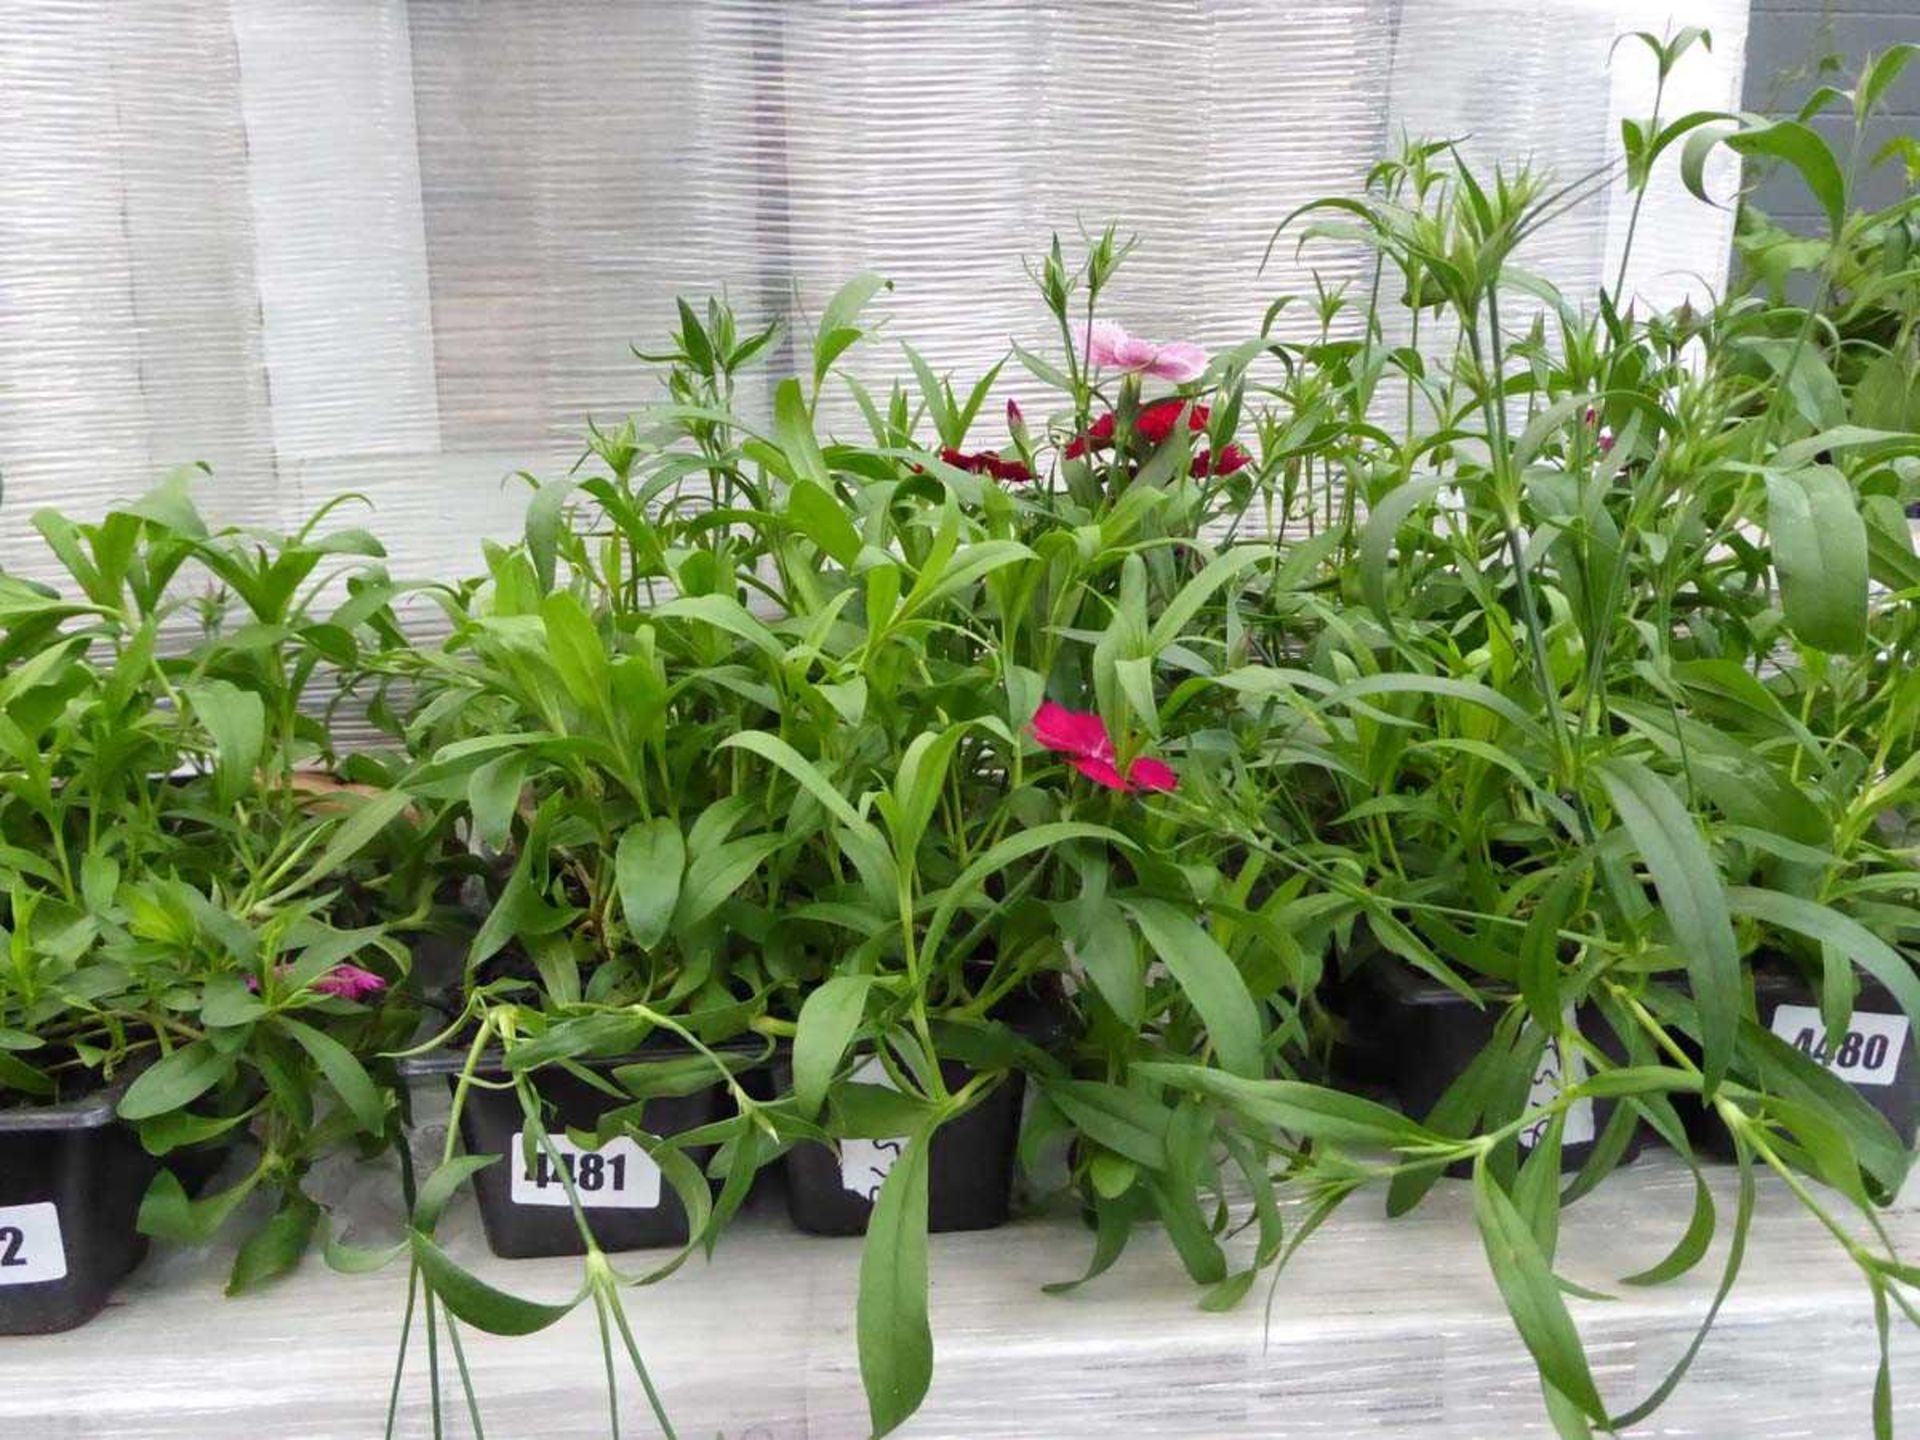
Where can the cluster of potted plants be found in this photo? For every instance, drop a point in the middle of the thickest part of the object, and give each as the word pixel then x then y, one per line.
pixel 1448 745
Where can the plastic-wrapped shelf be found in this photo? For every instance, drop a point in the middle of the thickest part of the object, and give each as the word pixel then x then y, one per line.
pixel 1378 1328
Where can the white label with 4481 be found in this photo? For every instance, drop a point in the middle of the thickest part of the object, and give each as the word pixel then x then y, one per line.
pixel 1553 1074
pixel 1868 1054
pixel 31 1251
pixel 864 1163
pixel 617 1176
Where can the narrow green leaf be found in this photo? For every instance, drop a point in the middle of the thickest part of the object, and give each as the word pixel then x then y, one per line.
pixel 896 1341
pixel 236 719
pixel 1212 983
pixel 1693 898
pixel 1533 1295
pixel 478 1303
pixel 346 1074
pixel 828 1019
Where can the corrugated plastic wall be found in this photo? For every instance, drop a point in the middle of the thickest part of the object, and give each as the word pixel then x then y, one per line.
pixel 402 248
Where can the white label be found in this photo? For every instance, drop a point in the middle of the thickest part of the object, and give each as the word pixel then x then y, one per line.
pixel 1553 1073
pixel 1868 1054
pixel 31 1251
pixel 617 1176
pixel 864 1163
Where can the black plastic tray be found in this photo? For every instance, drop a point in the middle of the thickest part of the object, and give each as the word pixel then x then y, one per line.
pixel 970 1167
pixel 525 1209
pixel 1413 1037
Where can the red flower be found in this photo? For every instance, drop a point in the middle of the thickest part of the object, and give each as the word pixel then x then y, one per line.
pixel 1153 424
pixel 987 462
pixel 1232 458
pixel 1082 737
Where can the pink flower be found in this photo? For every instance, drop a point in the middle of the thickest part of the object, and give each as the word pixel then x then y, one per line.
pixel 1107 346
pixel 349 982
pixel 1082 737
pixel 343 982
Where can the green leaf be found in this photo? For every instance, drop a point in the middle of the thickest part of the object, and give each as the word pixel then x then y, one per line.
pixel 1881 74
pixel 1125 1121
pixel 175 1082
pixel 793 428
pixel 1829 926
pixel 166 1213
pixel 1015 847
pixel 1109 955
pixel 478 1303
pixel 714 874
pixel 1539 969
pixel 276 1247
pixel 896 1342
pixel 1693 898
pixel 824 520
pixel 346 1074
pixel 493 795
pixel 1533 1295
pixel 352 835
pixel 827 1022
pixel 1212 983
pixel 1467 691
pixel 237 721
pixel 546 519
pixel 1691 1248
pixel 1376 540
pixel 1197 591
pixel 1820 550
pixel 779 752
pixel 647 866
pixel 1311 1110
pixel 579 657
pixel 441 1186
pixel 1802 148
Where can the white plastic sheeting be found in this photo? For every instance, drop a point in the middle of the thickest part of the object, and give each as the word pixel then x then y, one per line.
pixel 402 248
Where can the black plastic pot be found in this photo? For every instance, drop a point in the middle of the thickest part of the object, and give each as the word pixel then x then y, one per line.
pixel 1876 1058
pixel 72 1177
pixel 524 1207
pixel 1410 1038
pixel 970 1167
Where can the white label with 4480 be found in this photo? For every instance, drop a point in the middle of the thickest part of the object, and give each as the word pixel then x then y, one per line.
pixel 31 1251
pixel 1868 1054
pixel 617 1176
pixel 864 1163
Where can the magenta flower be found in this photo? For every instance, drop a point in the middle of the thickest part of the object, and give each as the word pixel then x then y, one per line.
pixel 343 982
pixel 1082 737
pixel 349 982
pixel 1108 347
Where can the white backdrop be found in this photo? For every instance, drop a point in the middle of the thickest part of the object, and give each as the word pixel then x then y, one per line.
pixel 402 247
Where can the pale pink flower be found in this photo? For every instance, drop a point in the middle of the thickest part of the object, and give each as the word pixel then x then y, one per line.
pixel 1108 347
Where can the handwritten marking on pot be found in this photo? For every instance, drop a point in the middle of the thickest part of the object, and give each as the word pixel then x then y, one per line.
pixel 864 1163
pixel 1548 1081
pixel 617 1176
pixel 1868 1054
pixel 31 1250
